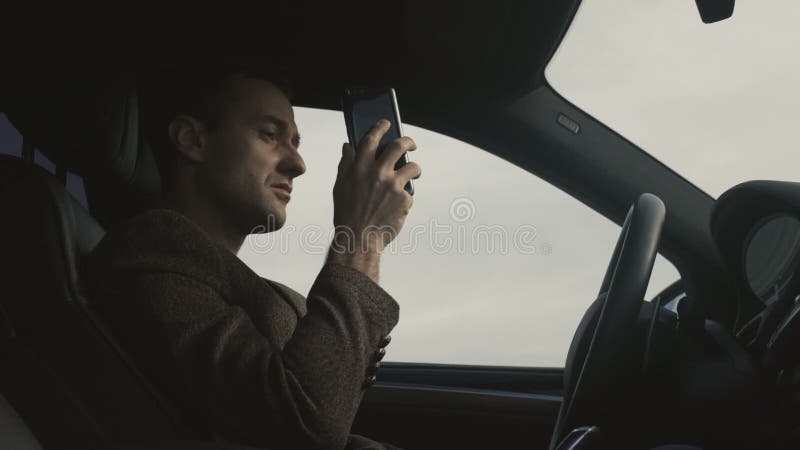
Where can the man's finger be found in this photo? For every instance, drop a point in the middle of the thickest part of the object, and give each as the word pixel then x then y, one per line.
pixel 409 171
pixel 348 155
pixel 395 150
pixel 369 143
pixel 342 161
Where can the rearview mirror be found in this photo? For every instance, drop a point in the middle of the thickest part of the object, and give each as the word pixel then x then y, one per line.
pixel 715 10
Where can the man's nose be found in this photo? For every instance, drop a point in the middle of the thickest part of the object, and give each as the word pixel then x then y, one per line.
pixel 292 164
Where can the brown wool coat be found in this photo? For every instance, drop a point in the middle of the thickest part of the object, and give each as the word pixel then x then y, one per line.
pixel 249 357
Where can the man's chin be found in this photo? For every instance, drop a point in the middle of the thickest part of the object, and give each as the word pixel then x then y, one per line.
pixel 269 222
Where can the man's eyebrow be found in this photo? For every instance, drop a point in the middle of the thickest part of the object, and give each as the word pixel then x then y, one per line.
pixel 281 124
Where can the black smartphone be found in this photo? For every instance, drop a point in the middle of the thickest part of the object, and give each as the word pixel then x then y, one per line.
pixel 362 108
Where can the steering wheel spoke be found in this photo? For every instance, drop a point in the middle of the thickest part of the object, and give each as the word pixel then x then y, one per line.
pixel 597 358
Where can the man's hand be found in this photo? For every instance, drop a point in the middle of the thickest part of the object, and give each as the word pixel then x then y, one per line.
pixel 369 200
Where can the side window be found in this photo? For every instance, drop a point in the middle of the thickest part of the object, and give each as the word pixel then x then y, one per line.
pixel 493 266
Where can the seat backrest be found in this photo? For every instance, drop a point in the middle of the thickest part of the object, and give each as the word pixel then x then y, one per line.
pixel 61 369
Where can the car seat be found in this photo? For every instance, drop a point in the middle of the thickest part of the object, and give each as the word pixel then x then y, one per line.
pixel 61 369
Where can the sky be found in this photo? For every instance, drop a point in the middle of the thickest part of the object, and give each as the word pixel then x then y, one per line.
pixel 718 103
pixel 714 102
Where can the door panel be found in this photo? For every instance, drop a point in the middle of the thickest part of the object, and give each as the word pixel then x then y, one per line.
pixel 427 406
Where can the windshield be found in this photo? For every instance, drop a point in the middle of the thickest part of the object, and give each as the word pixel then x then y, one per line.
pixel 716 103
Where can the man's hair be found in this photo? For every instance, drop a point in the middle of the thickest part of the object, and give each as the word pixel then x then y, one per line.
pixel 196 92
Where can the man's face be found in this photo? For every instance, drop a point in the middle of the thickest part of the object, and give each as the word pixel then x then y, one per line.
pixel 251 152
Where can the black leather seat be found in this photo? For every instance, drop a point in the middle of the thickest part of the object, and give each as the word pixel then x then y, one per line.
pixel 61 369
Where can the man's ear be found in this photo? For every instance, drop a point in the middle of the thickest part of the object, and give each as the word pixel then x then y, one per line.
pixel 188 135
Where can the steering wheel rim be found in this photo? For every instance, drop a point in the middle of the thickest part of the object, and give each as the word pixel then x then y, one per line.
pixel 595 349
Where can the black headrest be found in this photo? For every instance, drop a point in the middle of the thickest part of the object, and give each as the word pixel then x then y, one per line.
pixel 119 152
pixel 120 169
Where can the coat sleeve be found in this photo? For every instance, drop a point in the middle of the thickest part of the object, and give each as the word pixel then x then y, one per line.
pixel 303 396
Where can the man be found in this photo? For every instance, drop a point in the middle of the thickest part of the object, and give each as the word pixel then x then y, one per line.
pixel 248 357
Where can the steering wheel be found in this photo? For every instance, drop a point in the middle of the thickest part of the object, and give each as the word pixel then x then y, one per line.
pixel 601 353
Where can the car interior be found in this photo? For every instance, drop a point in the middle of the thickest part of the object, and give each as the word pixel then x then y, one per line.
pixel 708 363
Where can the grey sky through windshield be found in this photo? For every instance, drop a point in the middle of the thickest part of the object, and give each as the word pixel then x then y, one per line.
pixel 717 103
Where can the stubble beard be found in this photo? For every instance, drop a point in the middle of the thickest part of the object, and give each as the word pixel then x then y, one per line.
pixel 270 219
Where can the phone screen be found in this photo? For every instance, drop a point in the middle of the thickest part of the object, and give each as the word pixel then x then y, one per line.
pixel 368 109
pixel 364 110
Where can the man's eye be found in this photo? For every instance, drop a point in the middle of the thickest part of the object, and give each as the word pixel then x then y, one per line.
pixel 267 134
